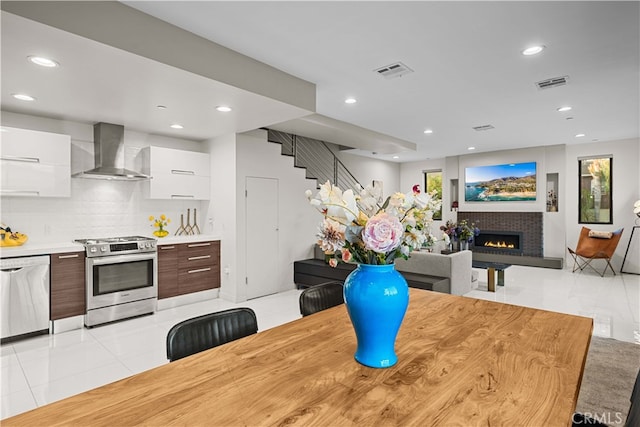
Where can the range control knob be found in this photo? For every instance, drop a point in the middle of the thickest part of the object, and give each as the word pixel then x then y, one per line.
pixel 103 249
pixel 93 249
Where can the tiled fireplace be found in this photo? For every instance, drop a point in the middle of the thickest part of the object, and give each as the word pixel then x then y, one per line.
pixel 507 233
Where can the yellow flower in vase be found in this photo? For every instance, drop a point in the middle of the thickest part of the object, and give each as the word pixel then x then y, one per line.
pixel 160 223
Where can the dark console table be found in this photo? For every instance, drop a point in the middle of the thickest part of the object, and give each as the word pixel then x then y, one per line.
pixel 491 268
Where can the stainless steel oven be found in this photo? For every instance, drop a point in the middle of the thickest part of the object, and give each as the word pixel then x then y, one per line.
pixel 122 278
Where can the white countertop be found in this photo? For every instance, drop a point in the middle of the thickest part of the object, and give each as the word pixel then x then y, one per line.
pixel 174 240
pixel 34 248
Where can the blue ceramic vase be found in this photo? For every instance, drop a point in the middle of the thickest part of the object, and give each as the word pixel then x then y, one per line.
pixel 377 297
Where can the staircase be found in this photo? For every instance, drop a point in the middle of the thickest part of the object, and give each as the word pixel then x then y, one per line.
pixel 316 157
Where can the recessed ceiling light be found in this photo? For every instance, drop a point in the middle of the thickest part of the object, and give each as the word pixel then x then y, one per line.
pixel 579 135
pixel 177 126
pixel 350 101
pixel 563 109
pixel 396 157
pixel 43 62
pixel 161 107
pixel 223 108
pixel 428 131
pixel 533 50
pixel 23 97
pixel 471 148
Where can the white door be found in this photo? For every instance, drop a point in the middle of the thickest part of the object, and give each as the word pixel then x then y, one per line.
pixel 262 236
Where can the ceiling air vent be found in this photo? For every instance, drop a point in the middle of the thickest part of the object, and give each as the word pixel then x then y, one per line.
pixel 394 70
pixel 553 82
pixel 483 127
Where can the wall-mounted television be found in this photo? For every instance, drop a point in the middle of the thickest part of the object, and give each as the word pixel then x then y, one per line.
pixel 509 182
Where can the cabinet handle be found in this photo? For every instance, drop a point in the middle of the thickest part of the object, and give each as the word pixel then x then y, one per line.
pixel 182 172
pixel 193 258
pixel 68 256
pixel 200 270
pixel 166 247
pixel 198 245
pixel 21 159
pixel 182 196
pixel 19 192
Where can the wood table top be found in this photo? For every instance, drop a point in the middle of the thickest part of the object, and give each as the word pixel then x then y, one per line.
pixel 462 361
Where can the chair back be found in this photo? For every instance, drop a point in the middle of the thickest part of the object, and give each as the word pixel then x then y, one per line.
pixel 592 247
pixel 320 297
pixel 204 332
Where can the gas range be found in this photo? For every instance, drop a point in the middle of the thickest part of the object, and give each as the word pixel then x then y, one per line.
pixel 118 245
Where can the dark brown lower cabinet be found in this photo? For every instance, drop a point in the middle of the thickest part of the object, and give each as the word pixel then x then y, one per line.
pixel 68 294
pixel 188 267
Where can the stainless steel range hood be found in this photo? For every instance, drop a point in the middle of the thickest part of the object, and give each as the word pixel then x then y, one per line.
pixel 108 142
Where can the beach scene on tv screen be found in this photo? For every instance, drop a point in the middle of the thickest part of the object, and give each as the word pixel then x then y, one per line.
pixel 500 183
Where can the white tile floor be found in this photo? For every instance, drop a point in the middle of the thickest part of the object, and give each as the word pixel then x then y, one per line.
pixel 44 369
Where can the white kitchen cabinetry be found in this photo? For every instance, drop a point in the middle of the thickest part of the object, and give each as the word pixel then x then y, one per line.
pixel 176 174
pixel 35 163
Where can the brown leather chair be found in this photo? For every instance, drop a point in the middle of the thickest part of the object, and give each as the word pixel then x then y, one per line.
pixel 320 297
pixel 592 248
pixel 204 332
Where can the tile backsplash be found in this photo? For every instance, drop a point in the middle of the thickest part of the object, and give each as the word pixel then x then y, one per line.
pixel 96 209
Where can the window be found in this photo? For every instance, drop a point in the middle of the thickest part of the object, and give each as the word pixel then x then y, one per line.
pixel 594 175
pixel 433 183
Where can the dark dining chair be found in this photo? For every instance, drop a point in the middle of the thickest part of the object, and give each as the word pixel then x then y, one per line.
pixel 210 330
pixel 320 297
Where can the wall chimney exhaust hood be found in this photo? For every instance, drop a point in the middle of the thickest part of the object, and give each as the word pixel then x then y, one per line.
pixel 108 140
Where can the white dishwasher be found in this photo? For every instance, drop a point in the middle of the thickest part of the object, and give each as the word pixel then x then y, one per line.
pixel 24 299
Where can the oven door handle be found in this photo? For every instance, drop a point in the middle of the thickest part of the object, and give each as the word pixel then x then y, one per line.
pixel 122 258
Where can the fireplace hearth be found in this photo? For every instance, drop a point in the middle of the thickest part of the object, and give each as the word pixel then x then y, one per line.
pixel 499 242
pixel 528 225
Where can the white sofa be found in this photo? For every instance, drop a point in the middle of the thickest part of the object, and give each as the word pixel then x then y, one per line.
pixel 455 266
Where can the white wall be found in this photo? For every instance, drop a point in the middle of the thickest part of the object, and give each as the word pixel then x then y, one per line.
pixel 366 170
pixel 298 221
pixel 222 210
pixel 96 208
pixel 626 190
pixel 555 243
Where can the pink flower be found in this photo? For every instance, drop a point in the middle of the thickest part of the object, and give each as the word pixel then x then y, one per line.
pixel 333 262
pixel 346 255
pixel 383 233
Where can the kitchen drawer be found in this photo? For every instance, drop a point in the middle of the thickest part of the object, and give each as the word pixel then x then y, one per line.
pixel 198 279
pixel 198 256
pixel 68 292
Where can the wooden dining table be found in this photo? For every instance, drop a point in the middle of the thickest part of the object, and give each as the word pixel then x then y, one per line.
pixel 461 362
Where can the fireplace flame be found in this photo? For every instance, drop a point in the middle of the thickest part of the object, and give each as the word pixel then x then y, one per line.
pixel 502 244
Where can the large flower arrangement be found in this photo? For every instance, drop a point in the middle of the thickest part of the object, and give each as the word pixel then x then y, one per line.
pixel 357 229
pixel 462 231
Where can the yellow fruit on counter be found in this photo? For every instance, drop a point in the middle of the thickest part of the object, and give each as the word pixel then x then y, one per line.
pixel 12 239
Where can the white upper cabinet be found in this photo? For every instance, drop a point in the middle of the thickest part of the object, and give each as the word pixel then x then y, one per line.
pixel 176 174
pixel 34 163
